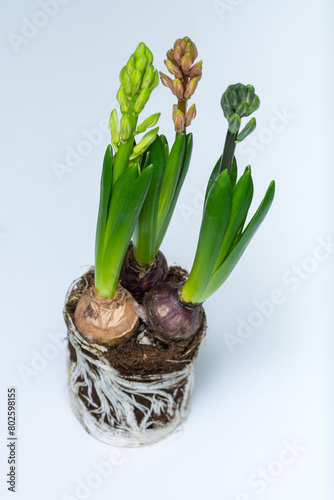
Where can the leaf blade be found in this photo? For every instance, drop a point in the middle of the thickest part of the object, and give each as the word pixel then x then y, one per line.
pixel 216 214
pixel 227 267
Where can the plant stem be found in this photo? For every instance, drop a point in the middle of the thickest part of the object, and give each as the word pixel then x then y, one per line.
pixel 182 104
pixel 228 153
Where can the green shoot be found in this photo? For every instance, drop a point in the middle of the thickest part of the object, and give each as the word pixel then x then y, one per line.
pixel 223 239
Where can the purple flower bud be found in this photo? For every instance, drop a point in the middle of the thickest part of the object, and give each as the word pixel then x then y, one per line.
pixel 191 47
pixel 177 54
pixel 174 110
pixel 186 63
pixel 172 68
pixel 166 81
pixel 178 88
pixel 196 70
pixel 190 88
pixel 170 56
pixel 191 113
pixel 179 121
pixel 183 43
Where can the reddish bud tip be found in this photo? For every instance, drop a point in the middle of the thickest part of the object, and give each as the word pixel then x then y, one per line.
pixel 191 113
pixel 166 81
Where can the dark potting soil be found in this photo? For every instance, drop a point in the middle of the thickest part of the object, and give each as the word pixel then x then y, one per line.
pixel 134 357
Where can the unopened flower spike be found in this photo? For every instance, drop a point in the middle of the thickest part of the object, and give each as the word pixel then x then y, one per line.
pixel 180 63
pixel 137 78
pixel 237 102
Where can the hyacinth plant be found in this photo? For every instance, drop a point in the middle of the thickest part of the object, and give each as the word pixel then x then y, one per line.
pixel 223 235
pixel 144 265
pixel 109 312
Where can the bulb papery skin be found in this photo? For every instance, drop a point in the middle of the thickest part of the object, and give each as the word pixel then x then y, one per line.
pixel 138 278
pixel 107 321
pixel 168 317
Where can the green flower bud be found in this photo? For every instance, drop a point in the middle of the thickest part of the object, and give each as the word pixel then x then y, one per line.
pixel 148 123
pixel 144 143
pixel 131 66
pixel 141 100
pixel 227 110
pixel 233 98
pixel 125 80
pixel 250 94
pixel 149 55
pixel 122 99
pixel 136 78
pixel 141 63
pixel 239 99
pixel 248 129
pixel 148 77
pixel 126 128
pixel 114 127
pixel 140 50
pixel 155 80
pixel 242 93
pixel 254 105
pixel 234 123
pixel 174 110
pixel 241 108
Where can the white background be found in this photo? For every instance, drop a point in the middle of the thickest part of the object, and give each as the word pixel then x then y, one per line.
pixel 251 398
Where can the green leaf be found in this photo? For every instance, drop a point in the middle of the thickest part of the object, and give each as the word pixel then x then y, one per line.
pixel 212 179
pixel 215 219
pixel 215 174
pixel 182 176
pixel 105 195
pixel 126 209
pixel 165 145
pixel 242 195
pixel 229 264
pixel 144 248
pixel 120 190
pixel 171 177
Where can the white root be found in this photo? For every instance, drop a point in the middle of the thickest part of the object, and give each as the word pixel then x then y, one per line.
pixel 110 414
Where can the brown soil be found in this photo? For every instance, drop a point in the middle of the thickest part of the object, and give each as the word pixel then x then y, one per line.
pixel 134 357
